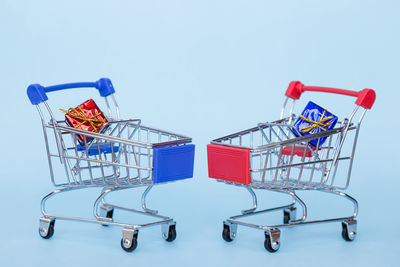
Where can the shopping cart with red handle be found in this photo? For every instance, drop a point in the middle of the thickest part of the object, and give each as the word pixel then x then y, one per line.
pixel 275 156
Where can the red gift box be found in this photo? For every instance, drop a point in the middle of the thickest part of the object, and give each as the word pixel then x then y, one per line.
pixel 87 116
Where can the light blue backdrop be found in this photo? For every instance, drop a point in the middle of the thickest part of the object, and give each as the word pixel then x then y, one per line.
pixel 204 69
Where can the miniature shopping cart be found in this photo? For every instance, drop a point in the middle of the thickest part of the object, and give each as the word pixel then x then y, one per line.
pixel 276 157
pixel 123 154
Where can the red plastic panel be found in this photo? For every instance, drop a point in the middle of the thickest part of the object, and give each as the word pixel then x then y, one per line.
pixel 298 151
pixel 229 164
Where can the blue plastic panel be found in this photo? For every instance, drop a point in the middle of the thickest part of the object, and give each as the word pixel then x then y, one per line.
pixel 93 150
pixel 173 163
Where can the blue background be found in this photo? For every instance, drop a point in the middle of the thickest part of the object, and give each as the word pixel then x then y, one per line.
pixel 203 69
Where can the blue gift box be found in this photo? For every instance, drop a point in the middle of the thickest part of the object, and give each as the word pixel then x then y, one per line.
pixel 315 119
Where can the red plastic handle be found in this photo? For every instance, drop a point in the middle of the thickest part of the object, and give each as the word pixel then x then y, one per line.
pixel 365 97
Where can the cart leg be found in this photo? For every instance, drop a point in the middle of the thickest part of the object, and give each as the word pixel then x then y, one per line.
pixel 348 197
pixel 129 239
pixel 254 198
pixel 349 230
pixel 46 227
pixel 47 197
pixel 229 231
pixel 300 201
pixel 289 214
pixel 106 211
pixel 106 214
pixel 106 191
pixel 168 231
pixel 272 240
pixel 144 201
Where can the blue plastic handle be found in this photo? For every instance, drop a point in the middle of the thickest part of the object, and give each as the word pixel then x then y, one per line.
pixel 37 93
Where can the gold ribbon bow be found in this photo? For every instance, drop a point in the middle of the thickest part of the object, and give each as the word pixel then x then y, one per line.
pixel 316 124
pixel 80 115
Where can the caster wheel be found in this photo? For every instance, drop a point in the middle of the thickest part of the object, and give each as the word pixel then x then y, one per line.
pixel 171 233
pixel 286 217
pixel 271 246
pixel 289 214
pixel 47 233
pixel 346 234
pixel 226 234
pixel 109 214
pixel 129 245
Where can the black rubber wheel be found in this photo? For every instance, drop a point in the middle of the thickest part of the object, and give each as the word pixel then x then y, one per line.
pixel 286 217
pixel 50 231
pixel 132 246
pixel 109 214
pixel 226 234
pixel 345 233
pixel 268 245
pixel 171 233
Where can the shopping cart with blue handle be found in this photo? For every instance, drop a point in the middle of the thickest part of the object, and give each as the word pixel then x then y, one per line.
pixel 275 156
pixel 123 154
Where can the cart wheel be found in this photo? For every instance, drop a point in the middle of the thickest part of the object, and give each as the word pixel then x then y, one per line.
pixel 271 246
pixel 289 214
pixel 346 234
pixel 286 217
pixel 109 214
pixel 49 232
pixel 129 245
pixel 226 234
pixel 171 233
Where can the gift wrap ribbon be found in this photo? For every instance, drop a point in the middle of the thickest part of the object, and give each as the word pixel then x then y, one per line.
pixel 316 124
pixel 80 115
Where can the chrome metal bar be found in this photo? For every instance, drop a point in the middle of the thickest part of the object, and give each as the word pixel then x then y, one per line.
pixel 290 163
pixel 348 197
pixel 283 107
pixel 323 172
pixel 116 106
pixel 139 211
pixel 261 211
pixel 263 134
pixel 302 204
pixel 339 148
pixel 314 161
pixel 254 198
pixel 46 144
pixel 302 166
pixel 352 157
pixel 54 122
pixel 291 111
pixel 297 164
pixel 265 165
pixel 254 129
pixel 106 162
pixel 108 107
pixel 309 222
pixel 251 225
pixel 144 201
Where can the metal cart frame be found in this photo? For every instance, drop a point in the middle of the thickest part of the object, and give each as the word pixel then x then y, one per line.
pixel 280 159
pixel 120 156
